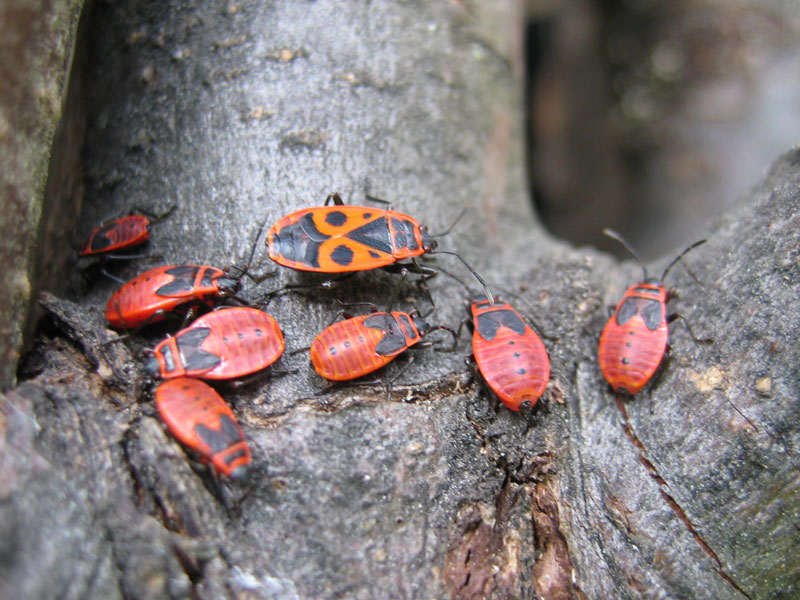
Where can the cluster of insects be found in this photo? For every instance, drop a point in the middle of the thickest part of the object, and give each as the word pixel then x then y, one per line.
pixel 231 342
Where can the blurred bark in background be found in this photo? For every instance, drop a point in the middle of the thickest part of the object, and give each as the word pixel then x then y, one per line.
pixel 654 117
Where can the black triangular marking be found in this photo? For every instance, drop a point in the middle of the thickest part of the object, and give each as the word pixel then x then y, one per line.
pixel 374 234
pixel 183 279
pixel 626 311
pixel 393 340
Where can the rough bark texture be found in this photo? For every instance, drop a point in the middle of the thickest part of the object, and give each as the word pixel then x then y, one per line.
pixel 37 42
pixel 242 112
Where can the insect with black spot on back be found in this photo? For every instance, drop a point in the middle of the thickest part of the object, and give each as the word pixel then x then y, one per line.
pixel 634 340
pixel 154 295
pixel 357 346
pixel 509 354
pixel 224 344
pixel 342 239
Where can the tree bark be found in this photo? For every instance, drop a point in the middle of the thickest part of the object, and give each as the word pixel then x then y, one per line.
pixel 243 113
pixel 38 45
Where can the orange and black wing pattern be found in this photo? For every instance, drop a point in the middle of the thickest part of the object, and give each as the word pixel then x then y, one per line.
pixel 224 344
pixel 339 239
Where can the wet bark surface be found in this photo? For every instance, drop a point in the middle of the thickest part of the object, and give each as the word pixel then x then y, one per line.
pixel 239 113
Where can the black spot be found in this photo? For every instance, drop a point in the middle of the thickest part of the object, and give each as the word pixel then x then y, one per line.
pixel 516 354
pixel 521 371
pixel 342 255
pixel 332 350
pixel 374 254
pixel 625 361
pixel 367 215
pixel 258 332
pixel 629 344
pixel 336 218
pixel 240 335
pixel 361 339
pixel 526 405
pixel 511 343
pixel 225 341
pixel 347 344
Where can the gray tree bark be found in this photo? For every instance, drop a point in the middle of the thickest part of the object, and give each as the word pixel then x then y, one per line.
pixel 244 112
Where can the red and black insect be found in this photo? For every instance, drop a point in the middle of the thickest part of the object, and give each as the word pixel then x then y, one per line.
pixel 121 233
pixel 201 420
pixel 340 239
pixel 360 345
pixel 509 354
pixel 151 296
pixel 224 344
pixel 635 338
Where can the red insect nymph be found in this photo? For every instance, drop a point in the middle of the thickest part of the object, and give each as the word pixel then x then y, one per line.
pixel 224 344
pixel 354 347
pixel 201 420
pixel 124 232
pixel 634 340
pixel 149 297
pixel 510 355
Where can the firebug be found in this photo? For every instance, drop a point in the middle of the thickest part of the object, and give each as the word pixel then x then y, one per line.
pixel 224 344
pixel 634 340
pixel 509 354
pixel 200 419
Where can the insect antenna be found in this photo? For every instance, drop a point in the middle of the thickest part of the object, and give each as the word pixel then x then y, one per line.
pixel 452 225
pixel 448 330
pixel 470 292
pixel 246 270
pixel 614 235
pixel 486 289
pixel 680 256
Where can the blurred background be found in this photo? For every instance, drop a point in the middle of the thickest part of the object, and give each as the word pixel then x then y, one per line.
pixel 654 116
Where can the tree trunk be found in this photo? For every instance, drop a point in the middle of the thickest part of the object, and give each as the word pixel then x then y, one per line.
pixel 245 112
